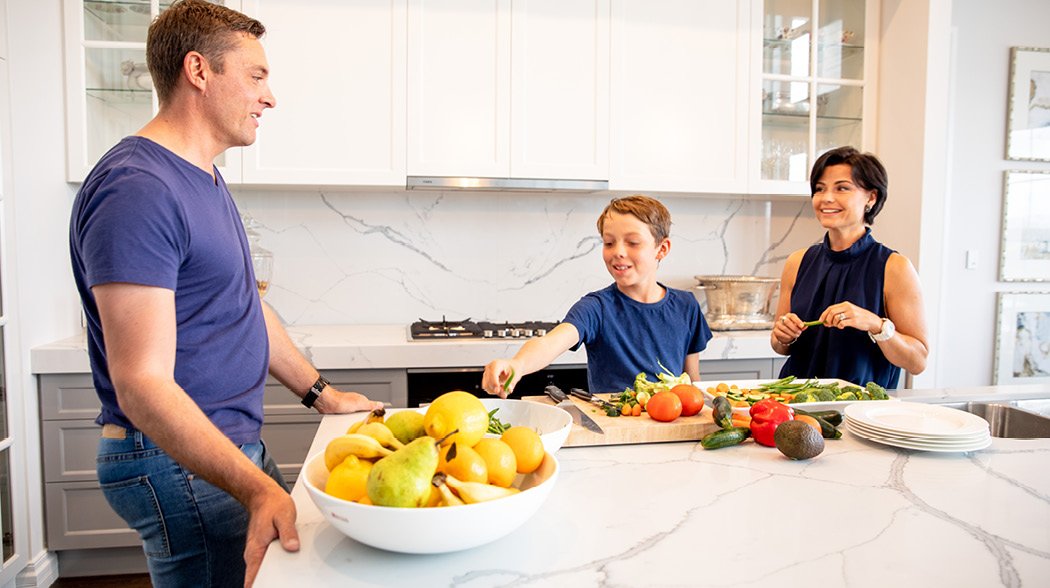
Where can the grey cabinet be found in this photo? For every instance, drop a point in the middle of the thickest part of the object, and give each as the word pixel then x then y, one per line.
pixel 739 369
pixel 78 516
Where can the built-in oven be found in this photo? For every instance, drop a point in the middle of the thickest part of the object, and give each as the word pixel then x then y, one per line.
pixel 426 384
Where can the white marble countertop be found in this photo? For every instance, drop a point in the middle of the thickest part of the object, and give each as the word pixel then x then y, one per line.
pixel 674 514
pixel 389 347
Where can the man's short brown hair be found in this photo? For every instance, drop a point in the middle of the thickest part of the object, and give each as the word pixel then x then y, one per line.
pixel 192 25
pixel 648 210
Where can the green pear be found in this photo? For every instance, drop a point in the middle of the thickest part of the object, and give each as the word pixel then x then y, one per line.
pixel 406 425
pixel 402 479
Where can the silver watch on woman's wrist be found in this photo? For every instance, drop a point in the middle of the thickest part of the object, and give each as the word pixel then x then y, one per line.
pixel 888 330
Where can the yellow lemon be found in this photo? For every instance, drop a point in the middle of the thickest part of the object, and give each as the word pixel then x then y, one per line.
pixel 349 479
pixel 465 464
pixel 457 411
pixel 499 459
pixel 527 447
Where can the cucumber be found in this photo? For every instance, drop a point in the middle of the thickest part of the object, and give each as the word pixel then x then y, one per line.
pixel 827 430
pixel 725 438
pixel 832 416
pixel 722 412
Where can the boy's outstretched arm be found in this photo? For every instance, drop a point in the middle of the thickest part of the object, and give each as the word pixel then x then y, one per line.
pixel 534 355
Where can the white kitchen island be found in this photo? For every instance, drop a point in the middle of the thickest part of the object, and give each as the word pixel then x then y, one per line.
pixel 674 514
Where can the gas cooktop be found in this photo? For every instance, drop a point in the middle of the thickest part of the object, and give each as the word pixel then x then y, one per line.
pixel 423 330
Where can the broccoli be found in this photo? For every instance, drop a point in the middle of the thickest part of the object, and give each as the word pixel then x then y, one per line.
pixel 824 394
pixel 876 392
pixel 804 396
pixel 847 396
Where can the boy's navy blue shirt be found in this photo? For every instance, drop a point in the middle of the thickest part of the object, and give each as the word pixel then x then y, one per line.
pixel 625 337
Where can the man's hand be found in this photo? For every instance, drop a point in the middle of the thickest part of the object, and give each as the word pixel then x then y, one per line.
pixel 333 401
pixel 272 516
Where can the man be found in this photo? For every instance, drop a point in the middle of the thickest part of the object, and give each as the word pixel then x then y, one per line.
pixel 179 341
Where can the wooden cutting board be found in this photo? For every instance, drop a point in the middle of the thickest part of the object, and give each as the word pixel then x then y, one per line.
pixel 624 430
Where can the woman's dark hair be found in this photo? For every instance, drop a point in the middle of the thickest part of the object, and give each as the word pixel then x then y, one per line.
pixel 867 171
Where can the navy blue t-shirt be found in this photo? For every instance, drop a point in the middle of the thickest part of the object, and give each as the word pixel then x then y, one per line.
pixel 827 277
pixel 625 337
pixel 146 216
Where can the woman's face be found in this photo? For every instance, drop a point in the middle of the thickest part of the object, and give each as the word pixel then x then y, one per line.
pixel 838 202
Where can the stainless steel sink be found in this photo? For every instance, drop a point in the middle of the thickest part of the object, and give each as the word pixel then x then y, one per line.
pixel 1018 419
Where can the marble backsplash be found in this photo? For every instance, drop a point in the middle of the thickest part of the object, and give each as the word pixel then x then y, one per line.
pixel 394 257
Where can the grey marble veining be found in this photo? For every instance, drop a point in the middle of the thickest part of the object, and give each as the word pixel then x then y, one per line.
pixel 393 257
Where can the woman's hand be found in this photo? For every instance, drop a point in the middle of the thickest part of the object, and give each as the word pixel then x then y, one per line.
pixel 787 329
pixel 500 377
pixel 842 315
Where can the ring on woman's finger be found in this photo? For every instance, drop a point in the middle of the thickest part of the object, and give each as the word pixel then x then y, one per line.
pixel 842 316
pixel 784 318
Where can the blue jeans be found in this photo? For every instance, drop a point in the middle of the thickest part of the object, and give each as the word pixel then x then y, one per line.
pixel 193 533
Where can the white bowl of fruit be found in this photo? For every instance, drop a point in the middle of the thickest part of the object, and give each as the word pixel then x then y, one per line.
pixel 449 488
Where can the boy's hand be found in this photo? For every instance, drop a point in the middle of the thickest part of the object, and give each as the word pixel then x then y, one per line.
pixel 499 378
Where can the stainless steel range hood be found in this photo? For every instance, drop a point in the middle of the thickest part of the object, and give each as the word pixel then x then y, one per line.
pixel 504 184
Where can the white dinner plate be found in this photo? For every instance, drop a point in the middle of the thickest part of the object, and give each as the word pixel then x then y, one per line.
pixel 838 405
pixel 920 446
pixel 915 418
pixel 862 430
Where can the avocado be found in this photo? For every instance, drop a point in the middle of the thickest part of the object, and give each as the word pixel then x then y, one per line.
pixel 798 440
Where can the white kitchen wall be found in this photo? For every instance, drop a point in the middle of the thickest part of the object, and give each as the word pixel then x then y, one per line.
pixel 393 257
pixel 984 33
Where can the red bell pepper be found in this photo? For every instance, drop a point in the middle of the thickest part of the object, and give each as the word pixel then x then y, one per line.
pixel 765 416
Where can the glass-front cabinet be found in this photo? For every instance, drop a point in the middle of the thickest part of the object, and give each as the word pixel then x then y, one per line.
pixel 109 91
pixel 815 87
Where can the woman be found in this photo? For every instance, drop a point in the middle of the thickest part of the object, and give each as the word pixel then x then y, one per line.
pixel 866 296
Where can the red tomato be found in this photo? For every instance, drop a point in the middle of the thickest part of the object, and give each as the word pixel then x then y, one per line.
pixel 692 398
pixel 664 406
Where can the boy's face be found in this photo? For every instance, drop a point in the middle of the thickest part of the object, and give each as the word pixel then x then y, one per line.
pixel 630 252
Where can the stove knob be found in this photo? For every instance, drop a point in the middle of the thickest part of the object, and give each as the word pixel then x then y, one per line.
pixel 487 333
pixel 541 332
pixel 515 333
pixel 526 332
pixel 502 333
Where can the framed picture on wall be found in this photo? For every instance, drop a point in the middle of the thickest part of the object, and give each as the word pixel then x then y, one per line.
pixel 1022 343
pixel 1028 125
pixel 1025 250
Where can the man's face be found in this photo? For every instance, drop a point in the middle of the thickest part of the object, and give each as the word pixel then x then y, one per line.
pixel 238 95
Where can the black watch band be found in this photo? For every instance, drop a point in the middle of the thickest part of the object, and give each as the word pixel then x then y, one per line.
pixel 314 392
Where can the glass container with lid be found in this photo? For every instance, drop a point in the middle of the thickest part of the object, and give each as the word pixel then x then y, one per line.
pixel 262 258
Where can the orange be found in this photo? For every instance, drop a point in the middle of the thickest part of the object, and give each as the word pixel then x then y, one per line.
pixel 527 447
pixel 456 411
pixel 466 464
pixel 499 459
pixel 349 479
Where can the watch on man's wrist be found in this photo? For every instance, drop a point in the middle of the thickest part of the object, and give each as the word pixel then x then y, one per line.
pixel 314 392
pixel 888 330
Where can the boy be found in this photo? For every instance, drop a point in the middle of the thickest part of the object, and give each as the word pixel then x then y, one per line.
pixel 629 326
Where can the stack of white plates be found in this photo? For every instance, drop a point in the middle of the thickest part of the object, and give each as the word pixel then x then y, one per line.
pixel 926 427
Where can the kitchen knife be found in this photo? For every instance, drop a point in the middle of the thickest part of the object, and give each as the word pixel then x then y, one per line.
pixel 561 400
pixel 585 395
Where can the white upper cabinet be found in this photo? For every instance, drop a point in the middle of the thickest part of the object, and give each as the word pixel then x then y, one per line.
pixel 109 91
pixel 502 88
pixel 812 90
pixel 337 72
pixel 680 81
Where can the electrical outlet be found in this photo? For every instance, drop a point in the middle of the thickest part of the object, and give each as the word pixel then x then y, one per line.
pixel 971 259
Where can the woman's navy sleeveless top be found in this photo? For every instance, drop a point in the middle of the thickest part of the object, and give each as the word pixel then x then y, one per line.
pixel 826 277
